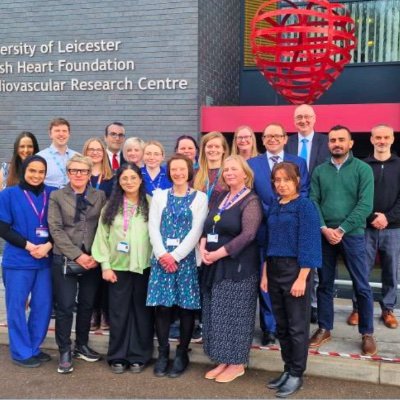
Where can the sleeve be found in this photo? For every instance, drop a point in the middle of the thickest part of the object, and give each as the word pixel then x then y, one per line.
pixel 251 219
pixel 315 195
pixel 199 211
pixel 304 179
pixel 101 246
pixel 156 209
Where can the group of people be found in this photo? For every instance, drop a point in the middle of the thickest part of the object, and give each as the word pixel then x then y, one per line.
pixel 131 244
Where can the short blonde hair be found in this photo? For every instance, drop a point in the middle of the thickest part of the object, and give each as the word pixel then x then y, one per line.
pixel 79 158
pixel 245 167
pixel 131 141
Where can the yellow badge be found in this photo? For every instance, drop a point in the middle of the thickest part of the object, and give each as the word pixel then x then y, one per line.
pixel 217 218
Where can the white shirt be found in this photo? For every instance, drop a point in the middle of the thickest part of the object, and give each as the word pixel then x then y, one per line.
pixel 308 144
pixel 270 162
pixel 111 155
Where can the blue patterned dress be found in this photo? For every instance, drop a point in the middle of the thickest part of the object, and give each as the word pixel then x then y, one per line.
pixel 180 288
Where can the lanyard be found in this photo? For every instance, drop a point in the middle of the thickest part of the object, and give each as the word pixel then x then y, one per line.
pixel 59 165
pixel 125 213
pixel 182 207
pixel 226 204
pixel 99 179
pixel 209 189
pixel 41 214
pixel 151 182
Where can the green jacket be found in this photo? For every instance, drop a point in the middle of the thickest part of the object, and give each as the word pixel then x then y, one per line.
pixel 344 197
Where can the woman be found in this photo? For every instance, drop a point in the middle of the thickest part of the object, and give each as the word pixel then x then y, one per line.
pixel 244 142
pixel 24 146
pixel 213 151
pixel 26 262
pixel 122 246
pixel 153 173
pixel 175 225
pixel 186 145
pixel 230 276
pixel 102 175
pixel 293 250
pixel 133 150
pixel 74 213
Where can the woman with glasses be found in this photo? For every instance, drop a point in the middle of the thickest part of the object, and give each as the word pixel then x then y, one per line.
pixel 133 151
pixel 74 213
pixel 244 142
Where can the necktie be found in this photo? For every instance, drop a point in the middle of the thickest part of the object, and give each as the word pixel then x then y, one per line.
pixel 274 159
pixel 303 150
pixel 115 163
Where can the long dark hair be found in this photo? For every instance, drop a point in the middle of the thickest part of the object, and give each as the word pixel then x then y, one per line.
pixel 114 205
pixel 16 162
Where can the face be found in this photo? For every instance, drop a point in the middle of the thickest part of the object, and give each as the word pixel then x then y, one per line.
pixel 134 153
pixel 179 172
pixel 284 186
pixel 274 139
pixel 214 150
pixel 153 156
pixel 95 152
pixel 382 139
pixel 25 148
pixel 130 181
pixel 115 138
pixel 187 147
pixel 233 174
pixel 339 143
pixel 78 174
pixel 35 173
pixel 59 135
pixel 244 140
pixel 304 119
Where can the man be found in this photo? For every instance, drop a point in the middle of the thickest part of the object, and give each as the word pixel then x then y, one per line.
pixel 274 140
pixel 114 136
pixel 343 188
pixel 313 147
pixel 383 225
pixel 58 153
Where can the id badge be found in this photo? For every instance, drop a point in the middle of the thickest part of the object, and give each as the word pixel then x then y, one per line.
pixel 212 238
pixel 123 247
pixel 42 232
pixel 172 242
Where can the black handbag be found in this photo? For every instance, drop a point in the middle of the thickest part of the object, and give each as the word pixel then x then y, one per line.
pixel 72 268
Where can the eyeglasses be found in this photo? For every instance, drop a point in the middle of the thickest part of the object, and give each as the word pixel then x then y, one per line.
pixel 118 136
pixel 306 117
pixel 91 150
pixel 153 154
pixel 74 171
pixel 240 138
pixel 273 137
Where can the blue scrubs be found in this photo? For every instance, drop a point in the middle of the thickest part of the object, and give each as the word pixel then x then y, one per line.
pixel 161 181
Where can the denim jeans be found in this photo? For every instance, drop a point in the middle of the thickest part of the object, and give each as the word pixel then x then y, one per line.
pixel 352 248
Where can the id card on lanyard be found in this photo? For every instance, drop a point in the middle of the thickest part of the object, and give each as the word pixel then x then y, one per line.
pixel 60 166
pixel 123 245
pixel 41 231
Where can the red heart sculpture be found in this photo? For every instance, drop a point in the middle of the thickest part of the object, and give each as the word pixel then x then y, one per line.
pixel 302 50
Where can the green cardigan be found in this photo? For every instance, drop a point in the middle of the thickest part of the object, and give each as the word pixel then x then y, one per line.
pixel 343 197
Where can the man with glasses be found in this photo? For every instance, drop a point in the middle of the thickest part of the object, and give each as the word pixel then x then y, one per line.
pixel 313 147
pixel 274 140
pixel 58 153
pixel 114 136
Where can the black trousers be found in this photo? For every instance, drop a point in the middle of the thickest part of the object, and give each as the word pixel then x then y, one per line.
pixel 65 289
pixel 131 321
pixel 292 314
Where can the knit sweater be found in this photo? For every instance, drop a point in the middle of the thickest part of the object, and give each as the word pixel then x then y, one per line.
pixel 344 197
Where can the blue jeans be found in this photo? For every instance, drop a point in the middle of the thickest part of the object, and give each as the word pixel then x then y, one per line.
pixel 352 248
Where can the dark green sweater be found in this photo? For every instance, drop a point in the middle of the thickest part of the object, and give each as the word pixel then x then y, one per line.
pixel 344 197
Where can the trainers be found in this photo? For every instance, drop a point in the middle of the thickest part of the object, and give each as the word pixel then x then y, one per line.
pixel 353 318
pixel 319 337
pixel 84 352
pixel 118 367
pixel 389 319
pixel 368 345
pixel 31 362
pixel 197 336
pixel 43 357
pixel 65 363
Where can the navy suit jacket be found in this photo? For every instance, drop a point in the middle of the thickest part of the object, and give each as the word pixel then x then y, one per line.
pixel 319 149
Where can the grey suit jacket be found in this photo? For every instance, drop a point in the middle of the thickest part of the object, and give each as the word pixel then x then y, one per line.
pixel 319 149
pixel 70 236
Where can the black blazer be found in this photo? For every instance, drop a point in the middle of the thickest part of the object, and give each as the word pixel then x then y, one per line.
pixel 319 149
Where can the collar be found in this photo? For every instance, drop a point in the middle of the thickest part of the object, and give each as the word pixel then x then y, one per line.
pixel 269 155
pixel 308 137
pixel 54 149
pixel 111 154
pixel 349 155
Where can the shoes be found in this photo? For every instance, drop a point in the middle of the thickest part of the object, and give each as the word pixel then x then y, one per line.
pixel 84 352
pixel 268 338
pixel 65 363
pixel 95 321
pixel 230 373
pixel 291 385
pixel 43 357
pixel 319 337
pixel 314 315
pixel 368 345
pixel 389 319
pixel 353 318
pixel 180 364
pixel 31 362
pixel 215 371
pixel 279 381
pixel 197 336
pixel 137 367
pixel 104 323
pixel 161 365
pixel 174 332
pixel 118 367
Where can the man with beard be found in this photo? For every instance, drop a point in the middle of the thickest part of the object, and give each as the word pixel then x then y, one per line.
pixel 343 190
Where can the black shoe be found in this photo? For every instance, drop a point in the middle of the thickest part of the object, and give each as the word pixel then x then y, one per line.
pixel 137 367
pixel 117 367
pixel 279 381
pixel 314 315
pixel 65 363
pixel 180 364
pixel 84 352
pixel 43 357
pixel 197 336
pixel 268 338
pixel 31 362
pixel 292 385
pixel 161 365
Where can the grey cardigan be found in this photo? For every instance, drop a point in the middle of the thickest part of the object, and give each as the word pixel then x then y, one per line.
pixel 69 236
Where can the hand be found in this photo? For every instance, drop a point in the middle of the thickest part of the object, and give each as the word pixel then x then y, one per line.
pixel 298 288
pixel 41 250
pixel 333 236
pixel 380 222
pixel 166 259
pixel 264 283
pixel 204 257
pixel 30 246
pixel 171 268
pixel 86 261
pixel 110 276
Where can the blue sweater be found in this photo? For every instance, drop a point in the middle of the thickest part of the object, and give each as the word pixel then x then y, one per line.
pixel 294 231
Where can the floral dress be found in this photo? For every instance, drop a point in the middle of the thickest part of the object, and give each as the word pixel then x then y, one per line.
pixel 180 288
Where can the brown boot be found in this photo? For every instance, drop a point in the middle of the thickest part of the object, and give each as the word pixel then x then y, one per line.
pixel 353 318
pixel 368 345
pixel 389 319
pixel 319 337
